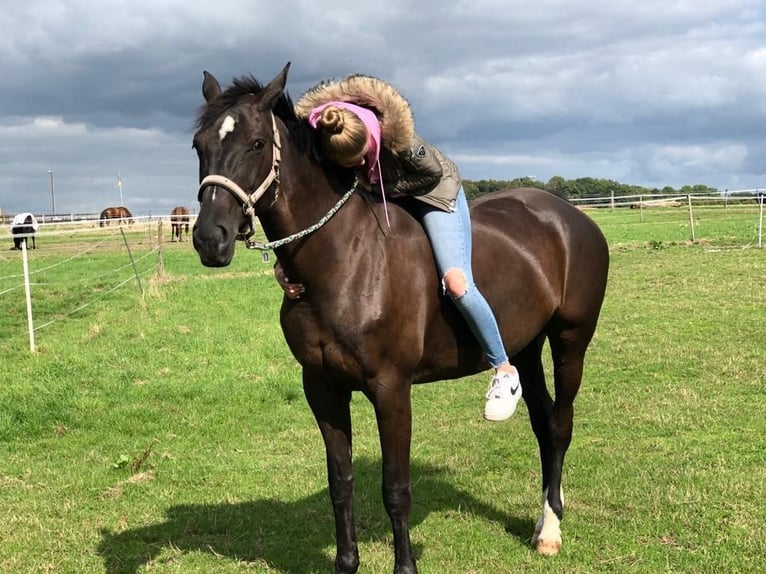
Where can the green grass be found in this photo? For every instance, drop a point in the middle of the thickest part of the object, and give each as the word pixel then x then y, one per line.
pixel 167 433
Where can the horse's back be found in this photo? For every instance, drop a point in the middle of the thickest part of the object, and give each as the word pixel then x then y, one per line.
pixel 537 259
pixel 539 262
pixel 526 220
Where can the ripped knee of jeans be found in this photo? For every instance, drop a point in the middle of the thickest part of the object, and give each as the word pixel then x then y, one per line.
pixel 455 283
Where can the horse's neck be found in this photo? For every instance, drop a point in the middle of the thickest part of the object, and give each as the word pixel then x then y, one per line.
pixel 305 198
pixel 357 231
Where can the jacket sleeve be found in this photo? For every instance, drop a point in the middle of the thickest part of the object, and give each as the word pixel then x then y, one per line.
pixel 420 169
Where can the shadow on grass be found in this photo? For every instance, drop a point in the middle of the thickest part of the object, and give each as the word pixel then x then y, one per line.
pixel 292 537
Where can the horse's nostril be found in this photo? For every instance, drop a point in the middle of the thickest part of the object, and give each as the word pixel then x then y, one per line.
pixel 210 233
pixel 219 235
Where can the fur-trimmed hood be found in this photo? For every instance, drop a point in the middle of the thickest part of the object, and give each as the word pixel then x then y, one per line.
pixel 397 125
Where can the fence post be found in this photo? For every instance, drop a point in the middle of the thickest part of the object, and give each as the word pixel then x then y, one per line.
pixel 611 204
pixel 761 199
pixel 132 262
pixel 30 322
pixel 160 265
pixel 691 215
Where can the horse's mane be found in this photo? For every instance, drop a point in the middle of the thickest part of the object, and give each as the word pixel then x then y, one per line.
pixel 300 131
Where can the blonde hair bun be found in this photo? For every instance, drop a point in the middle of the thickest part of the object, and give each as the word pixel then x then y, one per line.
pixel 332 120
pixel 343 136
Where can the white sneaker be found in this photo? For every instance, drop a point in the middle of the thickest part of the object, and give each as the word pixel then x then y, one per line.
pixel 503 396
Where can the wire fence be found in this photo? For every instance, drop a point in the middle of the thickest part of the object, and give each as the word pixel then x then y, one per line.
pixel 74 266
pixel 80 263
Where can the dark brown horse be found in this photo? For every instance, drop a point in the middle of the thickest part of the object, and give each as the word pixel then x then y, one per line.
pixel 179 223
pixel 373 318
pixel 120 213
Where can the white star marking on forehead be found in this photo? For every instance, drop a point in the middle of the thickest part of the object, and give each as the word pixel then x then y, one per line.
pixel 226 127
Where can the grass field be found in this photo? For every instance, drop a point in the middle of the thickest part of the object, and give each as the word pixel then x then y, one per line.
pixel 167 432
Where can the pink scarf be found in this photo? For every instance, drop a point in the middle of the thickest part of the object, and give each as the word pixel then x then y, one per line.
pixel 372 157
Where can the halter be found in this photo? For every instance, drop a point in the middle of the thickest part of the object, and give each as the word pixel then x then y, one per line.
pixel 248 201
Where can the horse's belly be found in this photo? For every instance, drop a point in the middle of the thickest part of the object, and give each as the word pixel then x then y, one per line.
pixel 318 351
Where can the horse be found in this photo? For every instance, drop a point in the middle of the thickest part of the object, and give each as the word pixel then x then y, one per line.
pixel 120 213
pixel 374 318
pixel 23 228
pixel 106 215
pixel 179 222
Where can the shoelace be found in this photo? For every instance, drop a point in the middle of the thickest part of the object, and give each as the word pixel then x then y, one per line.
pixel 495 386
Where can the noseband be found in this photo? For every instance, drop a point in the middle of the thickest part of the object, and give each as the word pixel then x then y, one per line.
pixel 248 201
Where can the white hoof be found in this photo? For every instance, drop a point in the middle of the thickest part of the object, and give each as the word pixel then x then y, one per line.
pixel 548 547
pixel 547 537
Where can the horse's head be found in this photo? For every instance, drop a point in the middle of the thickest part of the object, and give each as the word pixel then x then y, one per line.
pixel 238 143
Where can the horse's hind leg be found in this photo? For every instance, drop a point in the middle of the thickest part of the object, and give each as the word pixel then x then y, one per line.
pixel 547 536
pixel 568 345
pixel 552 422
pixel 331 408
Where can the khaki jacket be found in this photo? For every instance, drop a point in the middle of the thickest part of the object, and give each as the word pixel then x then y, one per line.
pixel 409 165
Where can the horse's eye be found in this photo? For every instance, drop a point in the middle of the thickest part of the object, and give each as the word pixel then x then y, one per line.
pixel 259 145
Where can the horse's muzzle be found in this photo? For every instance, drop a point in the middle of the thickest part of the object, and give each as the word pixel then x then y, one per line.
pixel 214 245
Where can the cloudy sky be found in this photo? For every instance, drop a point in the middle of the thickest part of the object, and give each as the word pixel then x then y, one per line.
pixel 654 93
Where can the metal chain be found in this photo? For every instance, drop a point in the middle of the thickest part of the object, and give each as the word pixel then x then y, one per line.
pixel 280 242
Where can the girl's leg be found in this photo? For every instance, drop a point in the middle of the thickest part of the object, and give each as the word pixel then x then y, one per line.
pixel 450 237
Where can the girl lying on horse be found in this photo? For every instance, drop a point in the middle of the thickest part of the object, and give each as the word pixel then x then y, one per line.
pixel 365 124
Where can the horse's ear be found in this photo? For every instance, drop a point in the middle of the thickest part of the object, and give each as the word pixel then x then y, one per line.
pixel 275 88
pixel 210 86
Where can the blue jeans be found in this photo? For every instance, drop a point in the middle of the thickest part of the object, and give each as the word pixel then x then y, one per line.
pixel 450 237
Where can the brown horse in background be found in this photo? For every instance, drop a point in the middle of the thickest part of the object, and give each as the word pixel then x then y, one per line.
pixel 120 213
pixel 373 317
pixel 179 222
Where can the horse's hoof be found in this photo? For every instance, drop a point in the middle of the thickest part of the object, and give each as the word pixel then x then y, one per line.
pixel 548 547
pixel 347 565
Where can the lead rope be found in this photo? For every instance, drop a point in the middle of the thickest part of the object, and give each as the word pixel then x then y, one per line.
pixel 383 193
pixel 280 242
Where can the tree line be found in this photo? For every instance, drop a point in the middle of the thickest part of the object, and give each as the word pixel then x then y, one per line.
pixel 580 187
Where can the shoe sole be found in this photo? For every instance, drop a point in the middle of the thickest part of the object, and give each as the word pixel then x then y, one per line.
pixel 498 416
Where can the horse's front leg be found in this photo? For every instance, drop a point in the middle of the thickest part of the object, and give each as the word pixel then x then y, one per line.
pixel 331 408
pixel 394 414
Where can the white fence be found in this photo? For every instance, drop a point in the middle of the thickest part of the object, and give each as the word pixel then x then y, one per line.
pixel 734 208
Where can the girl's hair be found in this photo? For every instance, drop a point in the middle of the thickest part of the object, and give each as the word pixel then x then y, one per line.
pixel 342 136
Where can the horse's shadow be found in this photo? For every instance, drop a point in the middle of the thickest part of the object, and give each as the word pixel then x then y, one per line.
pixel 292 537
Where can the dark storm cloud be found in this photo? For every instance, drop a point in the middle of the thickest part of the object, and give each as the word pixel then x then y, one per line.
pixel 655 93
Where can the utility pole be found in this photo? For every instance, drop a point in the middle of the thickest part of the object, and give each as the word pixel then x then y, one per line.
pixel 53 192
